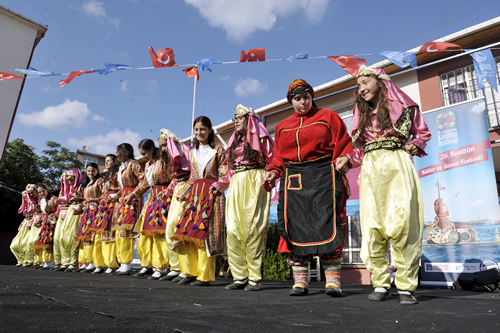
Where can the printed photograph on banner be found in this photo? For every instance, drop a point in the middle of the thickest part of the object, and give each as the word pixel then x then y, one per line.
pixel 457 179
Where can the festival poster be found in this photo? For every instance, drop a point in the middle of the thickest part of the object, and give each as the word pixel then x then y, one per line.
pixel 461 210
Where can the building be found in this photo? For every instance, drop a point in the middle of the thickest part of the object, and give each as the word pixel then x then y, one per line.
pixel 441 79
pixel 86 157
pixel 20 35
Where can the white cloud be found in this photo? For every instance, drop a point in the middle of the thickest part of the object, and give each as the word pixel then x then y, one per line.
pixel 478 108
pixel 68 114
pixel 96 9
pixel 243 17
pixel 99 119
pixel 123 85
pixel 478 202
pixel 225 77
pixel 106 144
pixel 247 87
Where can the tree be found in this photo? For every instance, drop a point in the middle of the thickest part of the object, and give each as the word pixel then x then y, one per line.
pixel 57 160
pixel 21 166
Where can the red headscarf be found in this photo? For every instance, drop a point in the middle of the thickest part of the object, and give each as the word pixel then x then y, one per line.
pixel 68 190
pixel 28 202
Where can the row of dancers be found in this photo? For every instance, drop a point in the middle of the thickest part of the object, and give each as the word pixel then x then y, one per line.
pixel 207 201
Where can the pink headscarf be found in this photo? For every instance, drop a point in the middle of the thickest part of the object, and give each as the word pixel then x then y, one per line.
pixel 179 151
pixel 68 190
pixel 28 202
pixel 255 130
pixel 398 100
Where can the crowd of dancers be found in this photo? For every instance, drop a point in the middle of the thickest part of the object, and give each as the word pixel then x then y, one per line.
pixel 207 201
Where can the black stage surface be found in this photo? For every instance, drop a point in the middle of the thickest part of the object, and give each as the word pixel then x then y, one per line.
pixel 49 301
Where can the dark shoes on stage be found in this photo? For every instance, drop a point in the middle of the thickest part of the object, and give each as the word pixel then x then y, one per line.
pixel 187 280
pixel 169 277
pixel 129 272
pixel 142 274
pixel 299 291
pixel 178 278
pixel 334 292
pixel 407 299
pixel 378 296
pixel 199 283
pixel 236 286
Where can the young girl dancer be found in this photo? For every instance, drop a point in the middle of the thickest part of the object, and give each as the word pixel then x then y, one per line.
pixel 390 126
pixel 28 209
pixel 90 256
pixel 200 231
pixel 247 206
pixel 47 205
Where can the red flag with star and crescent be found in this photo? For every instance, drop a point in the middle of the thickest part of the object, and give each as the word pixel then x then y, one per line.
pixel 71 76
pixel 192 71
pixel 253 55
pixel 8 76
pixel 437 47
pixel 349 63
pixel 162 58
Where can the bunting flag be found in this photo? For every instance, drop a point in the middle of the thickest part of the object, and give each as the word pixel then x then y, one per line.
pixel 8 76
pixel 206 63
pixel 162 58
pixel 192 71
pixel 33 71
pixel 297 56
pixel 349 63
pixel 71 76
pixel 401 59
pixel 111 68
pixel 486 68
pixel 253 55
pixel 437 47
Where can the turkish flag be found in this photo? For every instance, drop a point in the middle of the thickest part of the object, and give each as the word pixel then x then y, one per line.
pixel 71 76
pixel 163 58
pixel 8 76
pixel 349 63
pixel 437 46
pixel 192 71
pixel 253 55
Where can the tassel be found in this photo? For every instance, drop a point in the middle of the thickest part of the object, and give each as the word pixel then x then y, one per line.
pixel 190 218
pixel 202 226
pixel 169 199
pixel 156 201
pixel 184 230
pixel 198 208
pixel 202 197
pixel 194 227
pixel 205 206
pixel 164 219
pixel 205 216
pixel 148 219
pixel 188 206
pixel 178 225
pixel 131 213
pixel 193 208
pixel 163 211
pixel 161 205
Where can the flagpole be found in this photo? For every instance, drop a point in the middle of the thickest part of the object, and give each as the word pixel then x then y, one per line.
pixel 194 103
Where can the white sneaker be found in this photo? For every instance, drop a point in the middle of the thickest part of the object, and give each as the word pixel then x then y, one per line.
pixel 120 268
pixel 90 266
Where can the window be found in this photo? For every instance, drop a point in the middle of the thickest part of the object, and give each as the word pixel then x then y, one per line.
pixel 345 113
pixel 87 159
pixel 460 85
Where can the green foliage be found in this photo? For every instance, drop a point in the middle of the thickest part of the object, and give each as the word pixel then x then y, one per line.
pixel 57 160
pixel 276 267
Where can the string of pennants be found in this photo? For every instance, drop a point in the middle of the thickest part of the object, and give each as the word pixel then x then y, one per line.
pixel 484 63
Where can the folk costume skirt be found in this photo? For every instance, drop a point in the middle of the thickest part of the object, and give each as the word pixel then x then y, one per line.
pixel 309 208
pixel 391 209
pixel 65 245
pixel 247 218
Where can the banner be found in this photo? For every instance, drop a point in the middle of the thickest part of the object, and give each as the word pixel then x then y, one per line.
pixel 461 210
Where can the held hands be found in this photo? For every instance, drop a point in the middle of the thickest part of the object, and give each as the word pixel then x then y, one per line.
pixel 215 192
pixel 342 164
pixel 411 149
pixel 269 178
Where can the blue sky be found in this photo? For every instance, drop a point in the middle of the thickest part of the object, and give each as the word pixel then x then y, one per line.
pixel 101 111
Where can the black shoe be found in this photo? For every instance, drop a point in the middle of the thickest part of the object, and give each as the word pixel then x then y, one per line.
pixel 62 268
pixel 200 283
pixel 187 280
pixel 86 270
pixel 141 274
pixel 70 269
pixel 152 277
pixel 252 287
pixel 236 286
pixel 334 292
pixel 169 277
pixel 178 278
pixel 129 272
pixel 377 296
pixel 407 299
pixel 97 271
pixel 299 291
